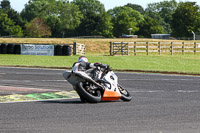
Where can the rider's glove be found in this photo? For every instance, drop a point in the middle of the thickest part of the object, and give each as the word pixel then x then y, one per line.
pixel 101 65
pixel 107 66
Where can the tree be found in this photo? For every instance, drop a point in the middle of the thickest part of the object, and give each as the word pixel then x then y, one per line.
pixel 17 30
pixel 70 17
pixel 33 9
pixel 90 6
pixel 186 19
pixel 38 28
pixel 105 26
pixel 55 24
pixel 162 12
pixel 136 7
pixel 15 16
pixel 12 14
pixel 5 5
pixel 149 26
pixel 65 15
pixel 95 20
pixel 88 25
pixel 7 26
pixel 124 18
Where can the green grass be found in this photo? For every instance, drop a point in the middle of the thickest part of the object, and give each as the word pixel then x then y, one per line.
pixel 167 63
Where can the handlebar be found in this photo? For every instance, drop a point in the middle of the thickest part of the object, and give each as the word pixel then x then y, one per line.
pixel 106 70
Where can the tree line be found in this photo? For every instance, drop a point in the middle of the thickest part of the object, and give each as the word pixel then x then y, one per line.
pixel 61 18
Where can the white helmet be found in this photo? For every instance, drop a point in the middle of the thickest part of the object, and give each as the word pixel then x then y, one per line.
pixel 82 59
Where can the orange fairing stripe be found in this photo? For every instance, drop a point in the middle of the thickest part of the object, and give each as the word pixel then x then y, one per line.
pixel 110 95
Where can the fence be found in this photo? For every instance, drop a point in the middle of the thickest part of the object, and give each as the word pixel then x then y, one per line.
pixel 78 49
pixel 126 48
pixel 116 48
pixel 88 37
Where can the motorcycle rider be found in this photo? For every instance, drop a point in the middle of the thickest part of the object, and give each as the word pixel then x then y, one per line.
pixel 82 65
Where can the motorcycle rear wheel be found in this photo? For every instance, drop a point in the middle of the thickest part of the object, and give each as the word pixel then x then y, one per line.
pixel 126 96
pixel 84 94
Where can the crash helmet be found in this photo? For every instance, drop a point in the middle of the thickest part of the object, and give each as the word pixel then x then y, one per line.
pixel 82 59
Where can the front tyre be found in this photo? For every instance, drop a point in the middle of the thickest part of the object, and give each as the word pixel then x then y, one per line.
pixel 125 94
pixel 85 92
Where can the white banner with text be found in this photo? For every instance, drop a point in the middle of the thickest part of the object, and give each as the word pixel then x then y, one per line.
pixel 31 49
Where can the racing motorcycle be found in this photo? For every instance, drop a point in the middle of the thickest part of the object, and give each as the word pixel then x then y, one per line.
pixel 97 84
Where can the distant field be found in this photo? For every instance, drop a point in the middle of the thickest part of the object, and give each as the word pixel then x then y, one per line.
pixel 94 46
pixel 165 63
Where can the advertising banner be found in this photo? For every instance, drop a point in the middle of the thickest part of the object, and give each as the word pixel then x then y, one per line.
pixel 31 49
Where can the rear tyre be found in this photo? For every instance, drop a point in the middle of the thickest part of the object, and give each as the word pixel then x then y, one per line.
pixel 126 96
pixel 83 99
pixel 84 91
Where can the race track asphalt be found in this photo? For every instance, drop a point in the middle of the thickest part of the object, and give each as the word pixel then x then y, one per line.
pixel 160 104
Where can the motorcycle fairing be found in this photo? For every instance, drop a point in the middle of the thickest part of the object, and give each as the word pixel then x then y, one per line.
pixel 110 95
pixel 112 92
pixel 71 78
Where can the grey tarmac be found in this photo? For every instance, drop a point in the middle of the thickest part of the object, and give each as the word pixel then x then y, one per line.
pixel 160 104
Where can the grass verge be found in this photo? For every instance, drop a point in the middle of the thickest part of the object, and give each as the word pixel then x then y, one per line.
pixel 189 64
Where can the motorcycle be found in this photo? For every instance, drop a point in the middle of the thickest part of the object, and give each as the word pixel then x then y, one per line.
pixel 97 84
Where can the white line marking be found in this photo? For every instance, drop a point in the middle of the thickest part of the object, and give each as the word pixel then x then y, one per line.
pixel 187 91
pixel 157 74
pixel 36 80
pixel 161 91
pixel 154 91
pixel 25 73
pixel 157 79
pixel 27 68
pixel 2 73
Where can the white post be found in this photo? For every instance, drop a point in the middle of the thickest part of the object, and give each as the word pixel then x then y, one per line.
pixel 193 35
pixel 130 29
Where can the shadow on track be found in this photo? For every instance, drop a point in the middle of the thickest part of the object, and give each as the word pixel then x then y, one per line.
pixel 74 102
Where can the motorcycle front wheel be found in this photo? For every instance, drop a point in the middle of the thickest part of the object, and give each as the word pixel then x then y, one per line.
pixel 126 96
pixel 84 91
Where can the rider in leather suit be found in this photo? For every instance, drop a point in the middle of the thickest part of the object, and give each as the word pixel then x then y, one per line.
pixel 82 65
